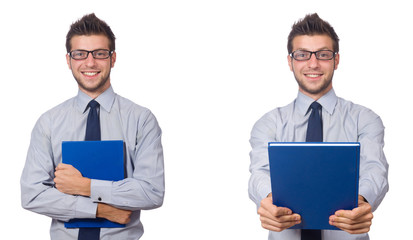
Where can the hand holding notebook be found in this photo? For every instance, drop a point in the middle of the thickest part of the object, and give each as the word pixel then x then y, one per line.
pixel 69 180
pixel 276 218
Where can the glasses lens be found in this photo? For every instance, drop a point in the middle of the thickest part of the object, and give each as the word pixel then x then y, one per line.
pixel 325 55
pixel 78 54
pixel 101 54
pixel 301 55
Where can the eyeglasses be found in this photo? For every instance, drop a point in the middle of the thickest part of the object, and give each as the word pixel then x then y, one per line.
pixel 303 55
pixel 97 54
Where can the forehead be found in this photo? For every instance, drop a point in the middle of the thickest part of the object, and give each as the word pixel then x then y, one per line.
pixel 89 42
pixel 312 42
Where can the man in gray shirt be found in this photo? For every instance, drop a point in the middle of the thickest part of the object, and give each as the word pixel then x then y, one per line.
pixel 58 190
pixel 313 57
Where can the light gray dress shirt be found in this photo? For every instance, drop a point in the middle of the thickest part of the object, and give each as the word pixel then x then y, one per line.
pixel 343 121
pixel 120 119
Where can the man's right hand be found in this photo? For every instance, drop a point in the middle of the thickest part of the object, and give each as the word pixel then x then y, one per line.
pixel 113 214
pixel 275 218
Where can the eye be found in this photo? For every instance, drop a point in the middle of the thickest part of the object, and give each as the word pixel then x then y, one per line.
pixel 325 55
pixel 301 54
pixel 78 54
pixel 101 54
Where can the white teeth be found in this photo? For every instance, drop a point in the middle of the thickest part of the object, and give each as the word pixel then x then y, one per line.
pixel 90 73
pixel 313 75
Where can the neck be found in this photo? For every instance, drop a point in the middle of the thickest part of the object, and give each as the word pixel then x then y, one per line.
pixel 96 92
pixel 317 95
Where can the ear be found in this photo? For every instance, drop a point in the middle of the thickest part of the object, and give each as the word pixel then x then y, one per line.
pixel 113 59
pixel 336 61
pixel 68 61
pixel 290 62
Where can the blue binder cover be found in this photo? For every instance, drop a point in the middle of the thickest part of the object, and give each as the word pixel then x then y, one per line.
pixel 103 160
pixel 314 180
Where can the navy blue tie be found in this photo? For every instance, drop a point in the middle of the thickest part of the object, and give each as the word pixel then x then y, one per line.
pixel 315 125
pixel 92 134
pixel 93 123
pixel 314 134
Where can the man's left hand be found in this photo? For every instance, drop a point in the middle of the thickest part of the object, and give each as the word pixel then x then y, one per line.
pixel 354 221
pixel 70 181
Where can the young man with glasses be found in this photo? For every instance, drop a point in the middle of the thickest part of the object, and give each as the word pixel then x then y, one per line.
pixel 59 190
pixel 313 57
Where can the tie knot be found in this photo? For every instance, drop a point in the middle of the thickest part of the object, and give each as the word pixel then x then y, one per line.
pixel 93 104
pixel 315 106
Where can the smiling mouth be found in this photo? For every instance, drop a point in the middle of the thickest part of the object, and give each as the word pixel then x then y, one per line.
pixel 90 74
pixel 313 75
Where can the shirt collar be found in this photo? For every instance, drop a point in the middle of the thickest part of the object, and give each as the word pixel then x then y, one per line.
pixel 328 102
pixel 106 100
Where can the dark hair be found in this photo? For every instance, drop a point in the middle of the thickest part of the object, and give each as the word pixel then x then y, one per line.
pixel 311 25
pixel 90 25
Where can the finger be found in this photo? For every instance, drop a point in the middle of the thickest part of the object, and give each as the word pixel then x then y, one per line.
pixel 56 181
pixel 273 225
pixel 289 218
pixel 264 214
pixel 366 218
pixel 350 214
pixel 282 211
pixel 268 205
pixel 59 174
pixel 62 166
pixel 273 211
pixel 353 228
pixel 357 213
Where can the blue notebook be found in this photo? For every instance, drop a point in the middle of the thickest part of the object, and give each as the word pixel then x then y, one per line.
pixel 314 180
pixel 103 160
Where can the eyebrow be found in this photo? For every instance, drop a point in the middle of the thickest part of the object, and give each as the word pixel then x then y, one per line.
pixel 306 49
pixel 90 50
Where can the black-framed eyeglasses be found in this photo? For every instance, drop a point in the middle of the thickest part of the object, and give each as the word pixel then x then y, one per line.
pixel 303 55
pixel 97 54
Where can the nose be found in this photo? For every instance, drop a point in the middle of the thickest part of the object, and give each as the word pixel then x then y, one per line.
pixel 90 60
pixel 313 61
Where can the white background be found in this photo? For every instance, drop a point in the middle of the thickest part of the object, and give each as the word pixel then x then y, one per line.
pixel 208 70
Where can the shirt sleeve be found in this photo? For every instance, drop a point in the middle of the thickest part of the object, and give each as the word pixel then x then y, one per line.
pixel 37 186
pixel 145 187
pixel 373 180
pixel 260 183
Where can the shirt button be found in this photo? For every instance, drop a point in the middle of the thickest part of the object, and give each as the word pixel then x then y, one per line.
pixel 99 199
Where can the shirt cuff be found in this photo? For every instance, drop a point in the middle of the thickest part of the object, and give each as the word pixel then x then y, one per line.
pixel 368 195
pixel 85 208
pixel 100 191
pixel 264 191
